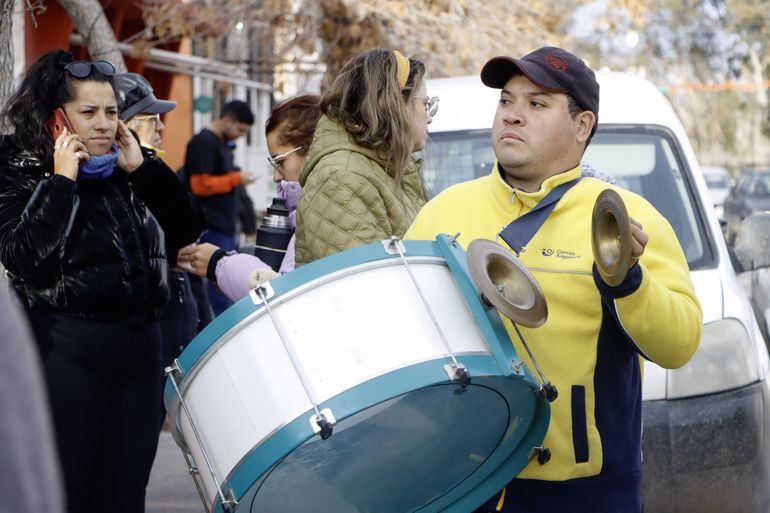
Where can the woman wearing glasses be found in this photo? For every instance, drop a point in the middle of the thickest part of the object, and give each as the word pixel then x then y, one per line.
pixel 361 182
pixel 289 132
pixel 82 216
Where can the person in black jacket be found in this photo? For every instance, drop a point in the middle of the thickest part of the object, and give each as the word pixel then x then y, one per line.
pixel 85 219
pixel 215 180
pixel 141 110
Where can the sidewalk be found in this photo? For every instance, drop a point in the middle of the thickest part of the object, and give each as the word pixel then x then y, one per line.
pixel 171 489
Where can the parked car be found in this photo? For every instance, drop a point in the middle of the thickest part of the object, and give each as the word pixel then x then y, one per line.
pixel 752 250
pixel 750 195
pixel 706 426
pixel 719 183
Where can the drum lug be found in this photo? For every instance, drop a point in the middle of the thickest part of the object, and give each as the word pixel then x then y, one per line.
pixel 267 293
pixel 543 454
pixel 394 246
pixel 518 367
pixel 174 369
pixel 323 423
pixel 549 391
pixel 458 373
pixel 229 505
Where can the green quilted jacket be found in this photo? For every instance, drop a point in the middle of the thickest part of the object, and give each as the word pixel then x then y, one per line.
pixel 348 199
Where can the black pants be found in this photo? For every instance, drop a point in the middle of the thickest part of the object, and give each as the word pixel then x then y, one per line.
pixel 178 323
pixel 104 387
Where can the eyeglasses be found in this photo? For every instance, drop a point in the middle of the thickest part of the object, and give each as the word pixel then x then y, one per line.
pixel 83 69
pixel 148 118
pixel 431 104
pixel 277 161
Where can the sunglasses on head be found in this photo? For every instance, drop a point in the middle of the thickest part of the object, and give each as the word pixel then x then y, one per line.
pixel 83 69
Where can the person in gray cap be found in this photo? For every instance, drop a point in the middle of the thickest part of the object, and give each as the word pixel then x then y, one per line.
pixel 596 335
pixel 141 110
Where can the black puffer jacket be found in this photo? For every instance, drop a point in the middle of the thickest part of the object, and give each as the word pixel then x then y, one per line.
pixel 92 249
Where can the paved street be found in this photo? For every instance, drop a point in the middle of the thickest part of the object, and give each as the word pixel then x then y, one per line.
pixel 171 489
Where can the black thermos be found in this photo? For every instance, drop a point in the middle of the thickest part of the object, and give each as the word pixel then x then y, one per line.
pixel 274 234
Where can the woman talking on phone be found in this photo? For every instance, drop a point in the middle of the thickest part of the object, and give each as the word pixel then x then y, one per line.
pixel 82 221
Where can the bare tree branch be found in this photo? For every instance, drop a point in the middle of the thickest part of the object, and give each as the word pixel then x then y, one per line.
pixel 6 50
pixel 89 20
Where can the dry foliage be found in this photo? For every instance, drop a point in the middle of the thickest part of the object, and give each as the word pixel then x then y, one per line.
pixel 452 36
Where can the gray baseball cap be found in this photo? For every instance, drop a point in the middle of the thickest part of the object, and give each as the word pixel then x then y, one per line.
pixel 136 96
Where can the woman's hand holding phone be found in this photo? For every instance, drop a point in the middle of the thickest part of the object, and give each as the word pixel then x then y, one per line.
pixel 68 151
pixel 129 152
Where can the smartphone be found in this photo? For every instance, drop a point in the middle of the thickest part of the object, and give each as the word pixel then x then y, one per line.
pixel 57 123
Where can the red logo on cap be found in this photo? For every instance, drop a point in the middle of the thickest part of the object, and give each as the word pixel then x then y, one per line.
pixel 556 63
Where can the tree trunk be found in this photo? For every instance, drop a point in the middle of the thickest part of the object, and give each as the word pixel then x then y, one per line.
pixel 89 20
pixel 6 50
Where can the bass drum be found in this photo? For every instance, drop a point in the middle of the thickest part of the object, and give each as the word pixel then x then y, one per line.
pixel 379 341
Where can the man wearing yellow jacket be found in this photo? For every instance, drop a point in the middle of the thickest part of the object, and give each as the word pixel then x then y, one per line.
pixel 596 336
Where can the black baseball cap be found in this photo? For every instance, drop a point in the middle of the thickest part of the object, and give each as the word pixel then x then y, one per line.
pixel 551 68
pixel 136 96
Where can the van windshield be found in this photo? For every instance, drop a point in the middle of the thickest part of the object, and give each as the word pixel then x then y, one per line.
pixel 646 161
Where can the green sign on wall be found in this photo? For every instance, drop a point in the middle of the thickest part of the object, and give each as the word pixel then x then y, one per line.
pixel 203 104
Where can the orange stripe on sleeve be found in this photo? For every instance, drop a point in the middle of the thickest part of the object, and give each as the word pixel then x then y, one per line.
pixel 208 185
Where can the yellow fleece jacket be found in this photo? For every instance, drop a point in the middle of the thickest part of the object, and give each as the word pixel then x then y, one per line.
pixel 591 343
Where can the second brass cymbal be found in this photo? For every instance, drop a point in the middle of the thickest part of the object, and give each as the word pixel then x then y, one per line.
pixel 611 237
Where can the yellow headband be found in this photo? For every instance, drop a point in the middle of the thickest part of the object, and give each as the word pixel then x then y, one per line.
pixel 402 68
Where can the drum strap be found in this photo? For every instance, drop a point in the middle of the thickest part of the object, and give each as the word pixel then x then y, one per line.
pixel 521 230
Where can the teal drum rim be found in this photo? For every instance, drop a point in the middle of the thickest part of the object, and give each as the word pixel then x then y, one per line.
pixel 499 373
pixel 526 414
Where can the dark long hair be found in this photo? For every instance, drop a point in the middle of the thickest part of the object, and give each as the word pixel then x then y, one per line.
pixel 45 88
pixel 295 120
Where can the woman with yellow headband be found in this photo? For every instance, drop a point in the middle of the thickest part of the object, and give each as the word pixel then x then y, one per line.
pixel 361 182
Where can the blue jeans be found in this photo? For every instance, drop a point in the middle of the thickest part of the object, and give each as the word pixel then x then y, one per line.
pixel 219 302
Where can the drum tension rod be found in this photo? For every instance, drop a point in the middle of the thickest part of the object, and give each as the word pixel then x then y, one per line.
pixel 173 372
pixel 325 426
pixel 546 388
pixel 455 370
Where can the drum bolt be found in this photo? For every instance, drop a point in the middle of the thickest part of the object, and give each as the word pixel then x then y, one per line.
pixel 326 427
pixel 463 377
pixel 549 391
pixel 543 454
pixel 458 372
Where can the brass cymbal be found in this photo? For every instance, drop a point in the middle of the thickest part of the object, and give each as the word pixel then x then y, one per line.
pixel 506 283
pixel 611 237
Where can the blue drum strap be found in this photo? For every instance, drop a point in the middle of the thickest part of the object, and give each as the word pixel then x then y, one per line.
pixel 521 230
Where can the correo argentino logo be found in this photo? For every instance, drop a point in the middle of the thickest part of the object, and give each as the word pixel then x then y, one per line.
pixel 559 253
